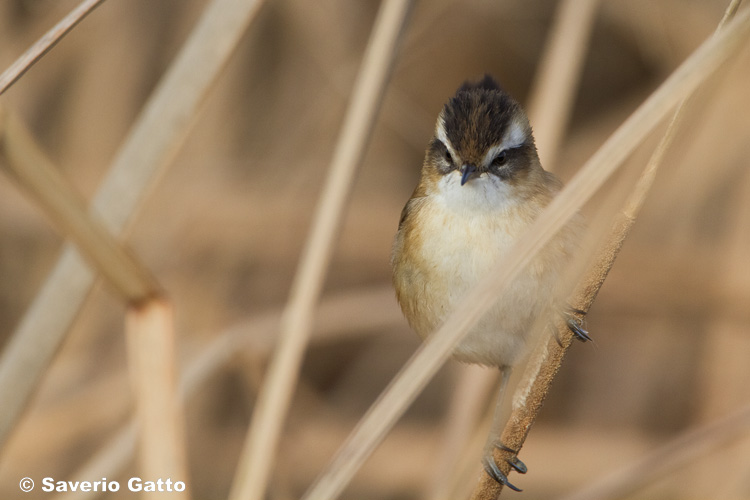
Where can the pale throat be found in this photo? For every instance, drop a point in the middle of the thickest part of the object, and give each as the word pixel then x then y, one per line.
pixel 486 193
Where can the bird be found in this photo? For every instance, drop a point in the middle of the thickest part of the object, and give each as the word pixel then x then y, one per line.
pixel 481 186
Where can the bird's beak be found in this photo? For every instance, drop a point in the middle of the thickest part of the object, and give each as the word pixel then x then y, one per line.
pixel 467 172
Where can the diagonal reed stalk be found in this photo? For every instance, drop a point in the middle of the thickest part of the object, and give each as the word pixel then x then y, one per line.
pixel 430 356
pixel 690 446
pixel 547 361
pixel 45 44
pixel 550 105
pixel 357 310
pixel 109 461
pixel 149 325
pixel 28 165
pixel 273 401
pixel 146 152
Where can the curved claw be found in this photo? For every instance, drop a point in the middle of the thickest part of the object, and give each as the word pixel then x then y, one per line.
pixel 495 473
pixel 575 323
pixel 575 326
pixel 517 465
pixel 513 461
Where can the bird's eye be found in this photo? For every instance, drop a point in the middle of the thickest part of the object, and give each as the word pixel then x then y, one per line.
pixel 500 159
pixel 448 157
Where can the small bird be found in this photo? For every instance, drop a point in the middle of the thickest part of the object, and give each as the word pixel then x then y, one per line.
pixel 481 187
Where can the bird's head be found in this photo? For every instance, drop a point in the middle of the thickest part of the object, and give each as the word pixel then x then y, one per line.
pixel 483 141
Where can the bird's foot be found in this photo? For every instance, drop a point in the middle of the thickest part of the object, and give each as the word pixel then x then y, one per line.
pixel 574 320
pixel 492 469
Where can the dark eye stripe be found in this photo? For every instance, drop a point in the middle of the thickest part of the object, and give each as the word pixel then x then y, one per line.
pixel 442 157
pixel 500 158
pixel 438 147
pixel 509 153
pixel 516 159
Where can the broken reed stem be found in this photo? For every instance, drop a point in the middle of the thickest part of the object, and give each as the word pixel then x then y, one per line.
pixel 150 339
pixel 149 324
pixel 542 370
pixel 33 171
pixel 153 140
pixel 259 451
pixel 415 374
pixel 44 44
pixel 355 311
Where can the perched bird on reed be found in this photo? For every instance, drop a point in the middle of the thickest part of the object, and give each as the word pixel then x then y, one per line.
pixel 481 187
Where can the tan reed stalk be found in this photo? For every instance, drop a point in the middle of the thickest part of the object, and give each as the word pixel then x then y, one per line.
pixel 149 331
pixel 149 324
pixel 273 401
pixel 635 202
pixel 359 310
pixel 686 448
pixel 550 104
pixel 557 77
pixel 108 462
pixel 45 44
pixel 28 165
pixel 463 481
pixel 348 313
pixel 473 387
pixel 154 138
pixel 542 370
pixel 415 374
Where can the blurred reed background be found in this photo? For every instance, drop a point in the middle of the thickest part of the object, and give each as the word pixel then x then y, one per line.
pixel 224 227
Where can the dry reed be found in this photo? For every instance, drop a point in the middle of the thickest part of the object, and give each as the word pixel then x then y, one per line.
pixel 332 389
pixel 559 72
pixel 151 359
pixel 150 332
pixel 550 105
pixel 346 314
pixel 273 401
pixel 415 374
pixel 468 403
pixel 34 173
pixel 689 446
pixel 145 153
pixel 45 44
pixel 544 366
pixel 109 461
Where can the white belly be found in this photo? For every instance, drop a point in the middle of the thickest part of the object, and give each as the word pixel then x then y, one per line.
pixel 502 333
pixel 454 250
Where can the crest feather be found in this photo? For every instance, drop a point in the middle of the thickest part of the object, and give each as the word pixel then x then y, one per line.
pixel 486 83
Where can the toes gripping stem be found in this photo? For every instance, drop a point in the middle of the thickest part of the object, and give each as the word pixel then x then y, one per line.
pixel 494 471
pixel 575 324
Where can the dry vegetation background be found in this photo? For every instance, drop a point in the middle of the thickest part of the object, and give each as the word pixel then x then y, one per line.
pixel 223 230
